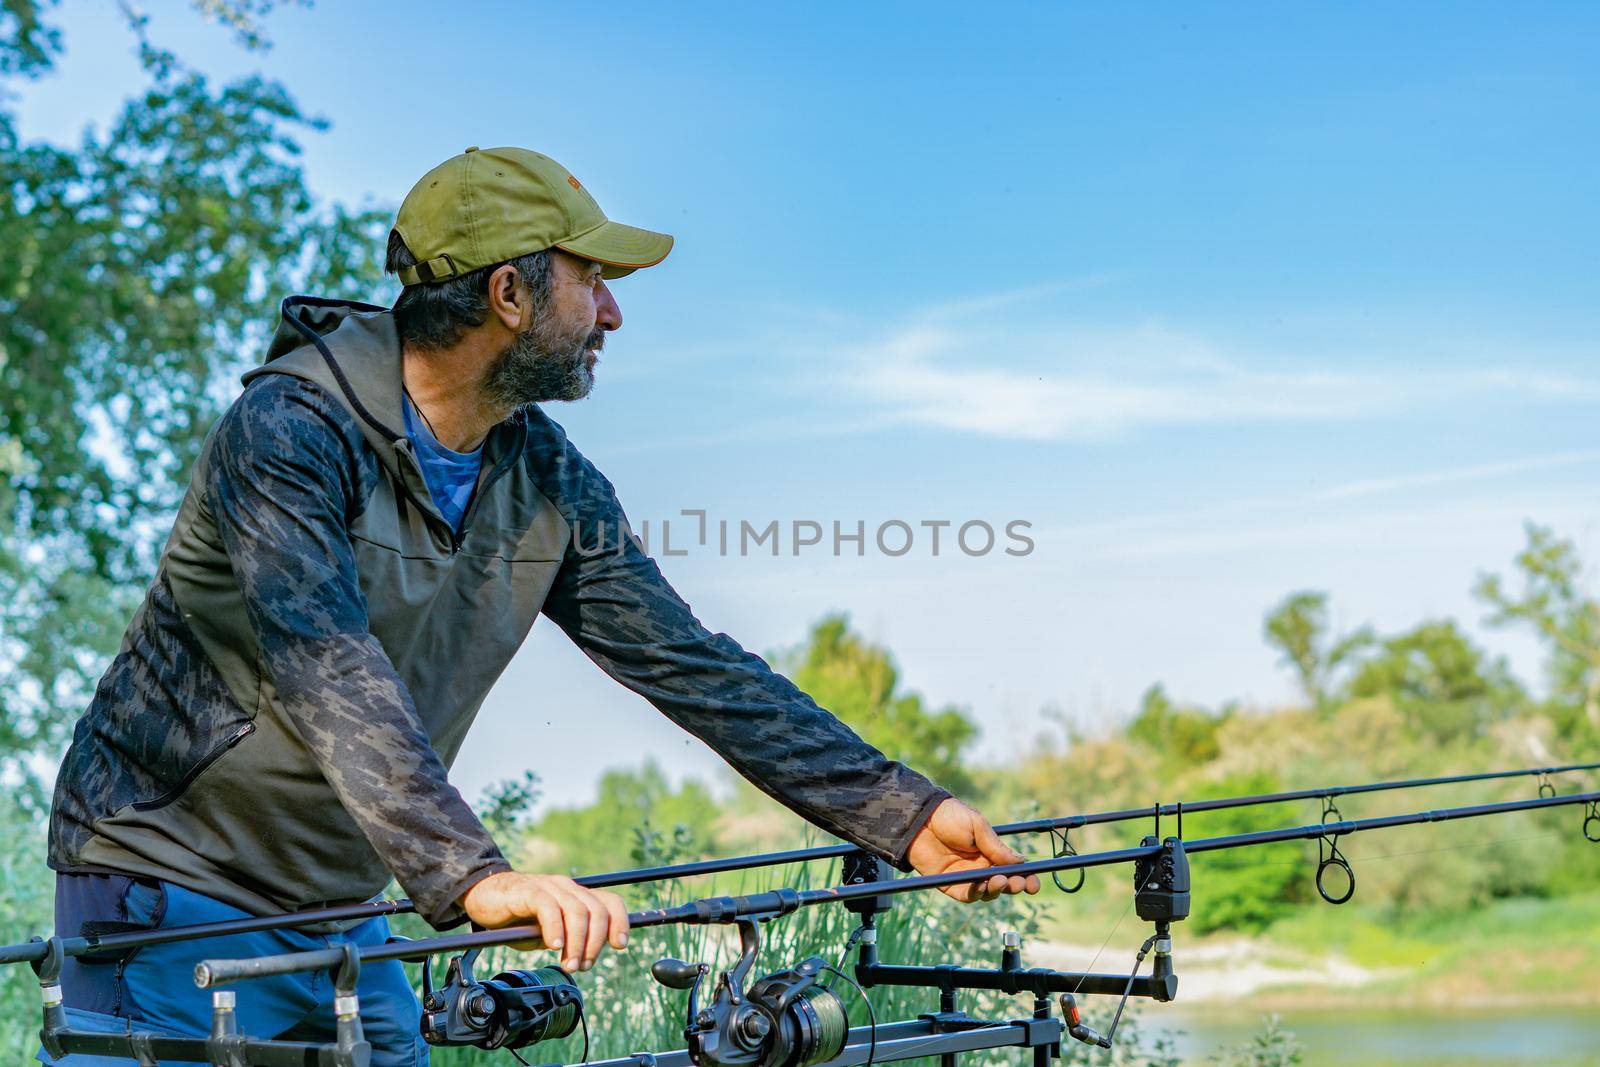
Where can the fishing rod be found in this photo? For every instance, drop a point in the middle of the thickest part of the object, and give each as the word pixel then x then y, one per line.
pixel 1059 827
pixel 788 1018
pixel 726 909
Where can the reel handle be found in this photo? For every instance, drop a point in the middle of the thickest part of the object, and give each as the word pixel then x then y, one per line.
pixel 675 973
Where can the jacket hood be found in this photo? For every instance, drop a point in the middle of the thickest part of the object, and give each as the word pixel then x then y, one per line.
pixel 353 351
pixel 366 368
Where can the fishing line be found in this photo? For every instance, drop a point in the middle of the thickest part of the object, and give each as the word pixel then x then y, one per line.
pixel 1115 926
pixel 872 1015
pixel 1417 852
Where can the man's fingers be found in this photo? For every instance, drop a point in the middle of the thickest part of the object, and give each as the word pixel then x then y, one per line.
pixel 599 923
pixel 962 893
pixel 980 889
pixel 965 892
pixel 551 929
pixel 619 919
pixel 574 921
pixel 575 914
pixel 994 850
pixel 991 887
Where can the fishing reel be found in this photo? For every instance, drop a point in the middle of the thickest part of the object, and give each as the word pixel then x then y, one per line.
pixel 511 1010
pixel 785 1019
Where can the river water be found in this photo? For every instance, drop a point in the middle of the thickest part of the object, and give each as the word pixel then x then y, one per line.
pixel 1558 1038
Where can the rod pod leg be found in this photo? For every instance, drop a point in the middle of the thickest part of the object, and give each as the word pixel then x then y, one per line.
pixel 143 1054
pixel 225 1048
pixel 947 1006
pixel 48 970
pixel 1043 1054
pixel 351 1048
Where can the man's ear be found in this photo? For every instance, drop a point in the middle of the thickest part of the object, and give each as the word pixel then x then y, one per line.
pixel 509 299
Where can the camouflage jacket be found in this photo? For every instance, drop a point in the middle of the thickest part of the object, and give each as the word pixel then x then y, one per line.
pixel 275 730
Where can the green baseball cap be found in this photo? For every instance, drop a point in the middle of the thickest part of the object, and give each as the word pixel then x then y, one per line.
pixel 488 205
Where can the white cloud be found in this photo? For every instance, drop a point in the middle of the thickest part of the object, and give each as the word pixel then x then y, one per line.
pixel 1375 486
pixel 1347 513
pixel 1047 406
pixel 979 366
pixel 1041 364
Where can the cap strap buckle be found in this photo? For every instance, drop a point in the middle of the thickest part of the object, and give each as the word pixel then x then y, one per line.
pixel 436 269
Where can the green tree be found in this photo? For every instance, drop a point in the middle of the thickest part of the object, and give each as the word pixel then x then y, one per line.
pixel 638 817
pixel 1440 680
pixel 1187 735
pixel 1554 602
pixel 27 890
pixel 1298 628
pixel 506 806
pixel 860 683
pixel 144 267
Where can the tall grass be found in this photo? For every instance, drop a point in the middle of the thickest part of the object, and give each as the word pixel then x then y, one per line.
pixel 629 1012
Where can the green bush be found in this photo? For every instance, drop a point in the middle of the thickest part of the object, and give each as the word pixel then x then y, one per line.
pixel 27 893
pixel 1248 888
pixel 1273 1046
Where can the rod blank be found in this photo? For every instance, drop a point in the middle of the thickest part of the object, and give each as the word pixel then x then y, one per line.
pixel 211 973
pixel 33 951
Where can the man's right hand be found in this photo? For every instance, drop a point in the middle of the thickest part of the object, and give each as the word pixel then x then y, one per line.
pixel 574 921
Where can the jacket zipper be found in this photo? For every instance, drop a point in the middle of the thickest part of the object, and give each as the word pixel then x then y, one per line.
pixel 512 454
pixel 472 506
pixel 457 539
pixel 197 770
pixel 402 491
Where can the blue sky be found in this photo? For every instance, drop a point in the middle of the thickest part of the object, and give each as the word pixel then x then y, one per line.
pixel 1225 300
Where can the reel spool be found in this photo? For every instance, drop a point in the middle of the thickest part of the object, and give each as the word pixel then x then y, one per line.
pixel 512 1010
pixel 786 1019
pixel 811 1024
pixel 532 1006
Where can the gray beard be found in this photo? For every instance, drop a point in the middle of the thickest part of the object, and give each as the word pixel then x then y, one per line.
pixel 542 364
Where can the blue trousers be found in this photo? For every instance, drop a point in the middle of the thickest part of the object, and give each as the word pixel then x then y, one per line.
pixel 154 987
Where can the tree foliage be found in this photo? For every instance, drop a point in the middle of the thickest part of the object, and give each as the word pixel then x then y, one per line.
pixel 860 683
pixel 1440 680
pixel 143 269
pixel 1185 735
pixel 1298 628
pixel 1555 604
pixel 506 806
pixel 1246 888
pixel 638 816
pixel 28 44
pixel 1271 1046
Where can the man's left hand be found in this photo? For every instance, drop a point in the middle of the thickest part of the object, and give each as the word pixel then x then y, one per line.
pixel 957 838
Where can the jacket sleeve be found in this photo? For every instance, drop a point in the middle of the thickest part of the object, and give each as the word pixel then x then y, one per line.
pixel 614 603
pixel 287 470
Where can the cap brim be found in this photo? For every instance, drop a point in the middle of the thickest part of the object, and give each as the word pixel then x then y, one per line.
pixel 619 249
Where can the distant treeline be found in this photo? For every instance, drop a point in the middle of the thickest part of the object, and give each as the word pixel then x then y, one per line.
pixel 1426 700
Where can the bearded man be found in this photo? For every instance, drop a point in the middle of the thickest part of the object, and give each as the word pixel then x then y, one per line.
pixel 369 533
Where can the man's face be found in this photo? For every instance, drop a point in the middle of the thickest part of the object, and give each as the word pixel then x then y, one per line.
pixel 554 358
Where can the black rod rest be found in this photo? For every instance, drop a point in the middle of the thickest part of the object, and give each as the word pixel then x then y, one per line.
pixel 150 1049
pixel 1161 985
pixel 225 1047
pixel 1161 896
